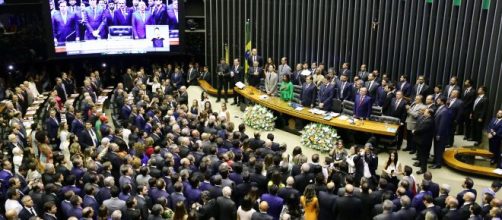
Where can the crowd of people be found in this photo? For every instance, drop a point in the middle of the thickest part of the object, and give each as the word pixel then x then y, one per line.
pixel 75 20
pixel 161 156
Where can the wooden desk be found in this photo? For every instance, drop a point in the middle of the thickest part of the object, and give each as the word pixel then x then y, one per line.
pixel 211 90
pixel 451 161
pixel 277 104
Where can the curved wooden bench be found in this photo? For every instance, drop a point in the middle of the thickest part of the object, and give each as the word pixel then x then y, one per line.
pixel 211 90
pixel 276 104
pixel 451 161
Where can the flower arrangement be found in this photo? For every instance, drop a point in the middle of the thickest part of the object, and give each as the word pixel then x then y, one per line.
pixel 259 117
pixel 167 214
pixel 319 137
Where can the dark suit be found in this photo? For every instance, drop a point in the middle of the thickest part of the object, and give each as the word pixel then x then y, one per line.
pixel 192 76
pixel 406 213
pixel 139 22
pixel 173 20
pixel 468 96
pixel 495 129
pixel 261 216
pixel 95 20
pixel 238 77
pixel 386 216
pixel 442 130
pixel 65 29
pixel 347 207
pixel 423 136
pixel 308 94
pixel 479 112
pixel 177 80
pixel 362 106
pixel 159 14
pixel 453 215
pixel 25 214
pixel 347 72
pixel 52 126
pixel 372 88
pixel 325 95
pixel 326 205
pixel 434 209
pixel 223 71
pixel 344 91
pixel 251 58
pixel 85 139
pixel 122 18
pixel 49 217
pixel 381 97
pixel 456 113
pixel 254 80
pixel 446 90
pixel 302 180
pixel 226 208
pixel 404 87
pixel 398 110
pixel 420 90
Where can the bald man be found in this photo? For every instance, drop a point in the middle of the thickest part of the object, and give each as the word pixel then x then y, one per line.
pixel 348 206
pixel 262 213
pixel 327 202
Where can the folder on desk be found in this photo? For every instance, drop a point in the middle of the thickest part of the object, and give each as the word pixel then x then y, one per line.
pixel 240 85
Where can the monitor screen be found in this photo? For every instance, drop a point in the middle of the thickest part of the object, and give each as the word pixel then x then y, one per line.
pixel 82 27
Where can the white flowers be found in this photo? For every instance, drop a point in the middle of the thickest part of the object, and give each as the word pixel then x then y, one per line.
pixel 259 117
pixel 319 137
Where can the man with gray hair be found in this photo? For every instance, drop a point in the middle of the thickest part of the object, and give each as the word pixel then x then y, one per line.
pixel 406 211
pixel 444 191
pixel 304 178
pixel 226 207
pixel 116 215
pixel 387 211
pixel 284 192
pixel 451 210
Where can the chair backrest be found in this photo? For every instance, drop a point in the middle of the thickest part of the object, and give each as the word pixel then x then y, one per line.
pixel 337 106
pixel 390 120
pixel 347 112
pixel 348 105
pixel 376 110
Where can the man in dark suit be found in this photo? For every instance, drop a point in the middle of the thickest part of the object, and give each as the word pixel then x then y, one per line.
pixel 139 20
pixel 52 126
pixel 442 129
pixel 455 106
pixel 398 110
pixel 348 206
pixel 406 211
pixel 478 115
pixel 372 86
pixel 363 73
pixel 423 136
pixel 177 78
pixel 95 21
pixel 223 72
pixel 420 87
pixel 387 213
pixel 28 210
pixel 429 207
pixel 468 96
pixel 236 75
pixel 304 178
pixel 87 137
pixel 173 15
pixel 262 213
pixel 193 75
pixel 390 94
pixel 308 94
pixel 226 207
pixel 326 94
pixel 327 202
pixel 275 202
pixel 122 16
pixel 132 212
pixel 404 86
pixel 344 88
pixel 467 186
pixel 495 137
pixel 255 73
pixel 159 13
pixel 61 89
pixel 50 210
pixel 450 87
pixel 65 25
pixel 362 104
pixel 254 57
pixel 346 70
pixel 451 212
pixel 89 200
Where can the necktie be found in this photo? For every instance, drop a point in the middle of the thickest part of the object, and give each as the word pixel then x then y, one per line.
pixel 94 16
pixel 33 211
pixel 143 16
pixel 361 100
pixel 397 103
pixel 402 85
pixel 254 59
pixel 371 83
pixel 449 90
pixel 343 86
pixel 476 102
pixel 419 89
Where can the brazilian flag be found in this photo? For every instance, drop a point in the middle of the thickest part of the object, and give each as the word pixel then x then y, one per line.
pixel 247 36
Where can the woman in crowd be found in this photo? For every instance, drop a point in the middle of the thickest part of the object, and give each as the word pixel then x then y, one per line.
pixel 393 168
pixel 310 203
pixel 339 154
pixel 64 145
pixel 224 112
pixel 180 213
pixel 194 109
pixel 245 210
pixel 207 107
pixel 286 88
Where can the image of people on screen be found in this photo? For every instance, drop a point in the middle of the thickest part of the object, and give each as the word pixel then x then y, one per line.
pixel 140 19
pixel 65 24
pixel 158 40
